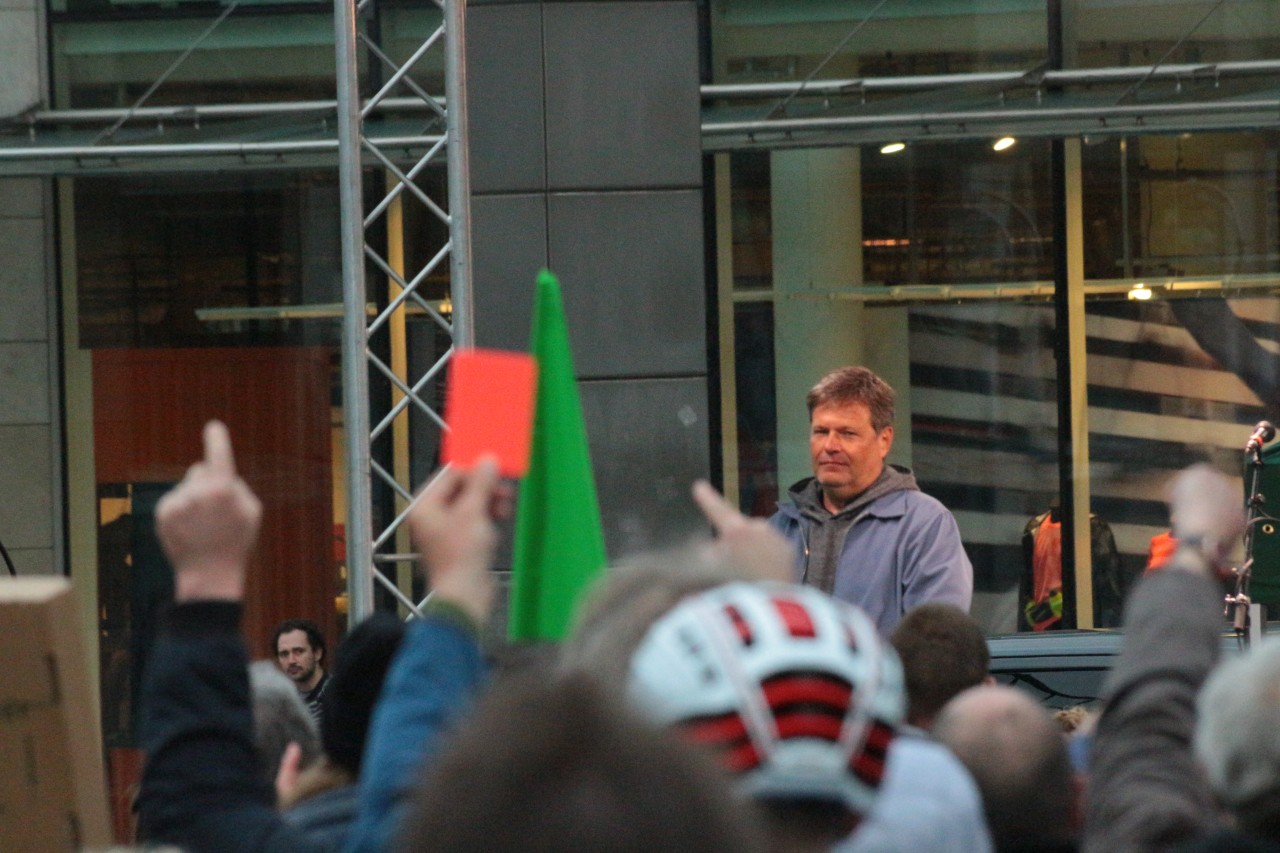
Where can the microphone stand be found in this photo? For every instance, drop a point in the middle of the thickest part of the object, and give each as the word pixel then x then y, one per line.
pixel 1240 600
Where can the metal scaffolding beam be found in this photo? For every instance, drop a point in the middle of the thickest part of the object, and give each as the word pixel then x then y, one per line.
pixel 379 399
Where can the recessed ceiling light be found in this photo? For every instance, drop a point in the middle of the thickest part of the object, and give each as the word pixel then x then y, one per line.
pixel 892 147
pixel 1003 143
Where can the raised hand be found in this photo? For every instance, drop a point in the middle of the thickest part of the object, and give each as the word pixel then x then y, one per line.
pixel 208 524
pixel 1207 512
pixel 749 544
pixel 452 525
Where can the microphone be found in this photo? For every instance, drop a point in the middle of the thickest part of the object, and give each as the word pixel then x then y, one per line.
pixel 1262 433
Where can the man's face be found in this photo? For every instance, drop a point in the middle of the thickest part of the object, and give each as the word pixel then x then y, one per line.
pixel 295 656
pixel 847 453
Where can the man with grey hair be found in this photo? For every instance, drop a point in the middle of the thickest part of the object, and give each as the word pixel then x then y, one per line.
pixel 1236 741
pixel 862 530
pixel 280 718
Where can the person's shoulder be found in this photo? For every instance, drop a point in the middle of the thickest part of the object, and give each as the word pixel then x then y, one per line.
pixel 923 503
pixel 911 501
pixel 337 806
pixel 326 818
pixel 923 758
pixel 785 509
pixel 788 508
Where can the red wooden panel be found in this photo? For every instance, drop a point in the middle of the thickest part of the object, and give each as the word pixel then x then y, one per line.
pixel 149 408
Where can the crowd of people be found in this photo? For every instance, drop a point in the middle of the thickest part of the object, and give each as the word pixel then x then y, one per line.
pixel 758 691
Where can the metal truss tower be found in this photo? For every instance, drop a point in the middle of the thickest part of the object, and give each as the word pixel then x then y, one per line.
pixel 374 357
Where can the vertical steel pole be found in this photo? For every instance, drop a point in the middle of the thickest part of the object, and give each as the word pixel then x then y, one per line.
pixel 355 377
pixel 458 171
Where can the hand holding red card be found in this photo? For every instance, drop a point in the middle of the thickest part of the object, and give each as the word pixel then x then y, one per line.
pixel 489 409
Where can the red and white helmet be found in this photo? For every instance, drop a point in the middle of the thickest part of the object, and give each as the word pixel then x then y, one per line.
pixel 794 689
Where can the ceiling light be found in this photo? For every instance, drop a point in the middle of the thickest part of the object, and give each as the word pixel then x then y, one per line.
pixel 1140 292
pixel 892 147
pixel 1003 143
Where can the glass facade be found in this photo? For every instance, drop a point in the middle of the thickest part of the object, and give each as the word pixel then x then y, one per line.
pixel 755 41
pixel 217 292
pixel 1107 33
pixel 942 232
pixel 937 265
pixel 111 54
pixel 221 298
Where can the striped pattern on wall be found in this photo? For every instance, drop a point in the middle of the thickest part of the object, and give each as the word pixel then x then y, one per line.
pixel 984 418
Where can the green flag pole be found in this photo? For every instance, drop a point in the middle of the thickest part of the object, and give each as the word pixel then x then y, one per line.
pixel 559 543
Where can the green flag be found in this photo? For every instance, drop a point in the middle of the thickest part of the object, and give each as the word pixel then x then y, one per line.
pixel 559 544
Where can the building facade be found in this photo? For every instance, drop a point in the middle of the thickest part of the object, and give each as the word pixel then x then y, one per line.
pixel 737 196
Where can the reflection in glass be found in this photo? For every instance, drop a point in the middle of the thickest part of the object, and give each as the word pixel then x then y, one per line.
pixel 759 42
pixel 155 252
pixel 1145 32
pixel 1183 376
pixel 974 370
pixel 109 54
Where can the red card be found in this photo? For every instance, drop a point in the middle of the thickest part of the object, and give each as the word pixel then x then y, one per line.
pixel 489 409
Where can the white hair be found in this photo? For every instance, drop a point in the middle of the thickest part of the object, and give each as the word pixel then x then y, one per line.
pixel 1237 736
pixel 279 718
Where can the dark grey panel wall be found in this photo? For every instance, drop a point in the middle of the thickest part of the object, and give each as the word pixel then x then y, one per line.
pixel 632 280
pixel 648 443
pixel 619 81
pixel 509 246
pixel 586 157
pixel 504 68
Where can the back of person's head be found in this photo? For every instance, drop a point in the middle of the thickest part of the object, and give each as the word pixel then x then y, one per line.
pixel 943 653
pixel 792 689
pixel 1237 737
pixel 846 385
pixel 552 764
pixel 315 637
pixel 1018 757
pixel 360 666
pixel 280 717
pixel 620 608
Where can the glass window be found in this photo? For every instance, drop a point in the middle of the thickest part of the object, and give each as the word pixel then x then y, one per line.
pixel 758 41
pixel 1181 233
pixel 934 267
pixel 157 253
pixel 1148 32
pixel 153 254
pixel 112 54
pixel 931 267
pixel 204 296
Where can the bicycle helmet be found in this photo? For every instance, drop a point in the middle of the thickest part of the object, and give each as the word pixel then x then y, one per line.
pixel 793 689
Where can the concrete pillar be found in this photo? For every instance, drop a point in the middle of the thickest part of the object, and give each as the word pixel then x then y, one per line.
pixel 30 440
pixel 21 55
pixel 818 324
pixel 30 476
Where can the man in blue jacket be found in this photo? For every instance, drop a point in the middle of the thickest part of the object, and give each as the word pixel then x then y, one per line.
pixel 863 530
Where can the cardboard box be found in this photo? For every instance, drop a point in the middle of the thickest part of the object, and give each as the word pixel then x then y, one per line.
pixel 52 785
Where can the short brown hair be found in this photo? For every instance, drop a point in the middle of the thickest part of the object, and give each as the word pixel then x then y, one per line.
pixel 943 653
pixel 855 385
